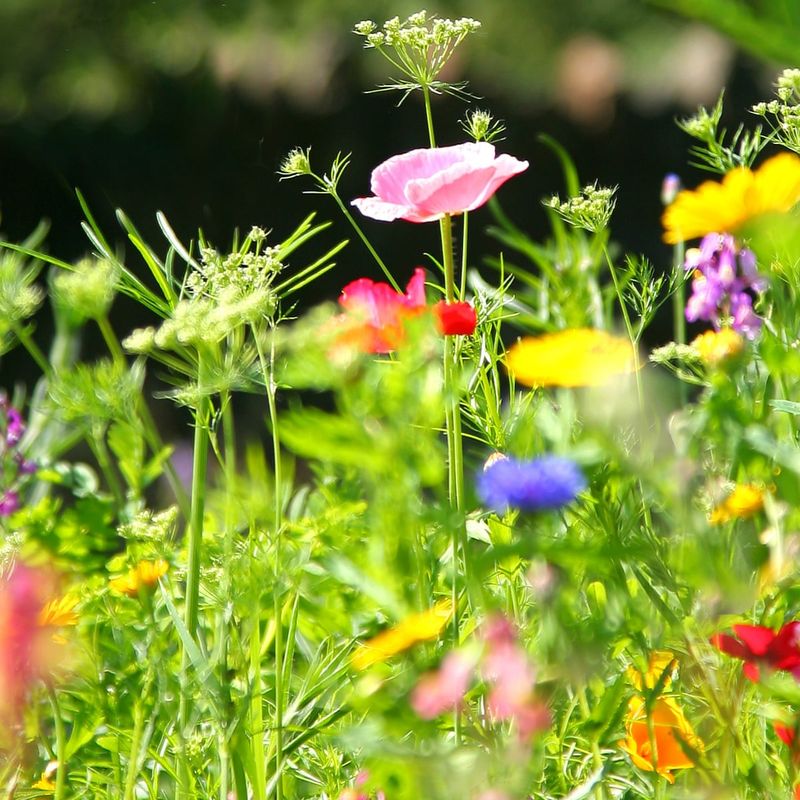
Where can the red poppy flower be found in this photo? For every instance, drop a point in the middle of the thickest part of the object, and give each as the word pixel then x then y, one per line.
pixel 382 310
pixel 758 646
pixel 455 319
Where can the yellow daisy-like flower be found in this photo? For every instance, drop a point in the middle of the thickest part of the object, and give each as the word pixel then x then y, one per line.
pixel 416 628
pixel 660 661
pixel 59 613
pixel 144 575
pixel 575 357
pixel 743 194
pixel 662 752
pixel 745 500
pixel 714 347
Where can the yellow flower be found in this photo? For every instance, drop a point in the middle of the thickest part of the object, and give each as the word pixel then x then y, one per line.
pixel 743 194
pixel 575 357
pixel 745 500
pixel 659 662
pixel 713 347
pixel 59 613
pixel 413 629
pixel 45 784
pixel 144 575
pixel 662 752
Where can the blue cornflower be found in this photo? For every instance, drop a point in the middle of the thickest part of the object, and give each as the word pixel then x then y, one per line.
pixel 546 482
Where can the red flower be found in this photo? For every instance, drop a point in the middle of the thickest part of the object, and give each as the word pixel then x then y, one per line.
pixel 383 310
pixel 455 319
pixel 758 646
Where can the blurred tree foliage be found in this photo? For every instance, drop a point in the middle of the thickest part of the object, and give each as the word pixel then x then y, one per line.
pixel 769 29
pixel 100 58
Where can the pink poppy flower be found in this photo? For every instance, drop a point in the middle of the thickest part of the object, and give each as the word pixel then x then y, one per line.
pixel 424 185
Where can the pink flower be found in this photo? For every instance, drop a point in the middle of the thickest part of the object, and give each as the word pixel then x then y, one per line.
pixel 424 185
pixel 455 319
pixel 382 310
pixel 26 651
pixel 443 690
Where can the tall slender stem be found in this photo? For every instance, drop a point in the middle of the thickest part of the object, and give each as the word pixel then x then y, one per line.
pixel 61 746
pixel 678 307
pixel 268 370
pixel 194 547
pixel 33 349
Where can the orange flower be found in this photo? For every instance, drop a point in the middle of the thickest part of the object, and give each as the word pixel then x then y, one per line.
pixel 743 194
pixel 413 629
pixel 670 729
pixel 144 575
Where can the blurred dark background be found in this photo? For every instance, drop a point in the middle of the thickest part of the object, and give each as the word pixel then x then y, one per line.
pixel 189 108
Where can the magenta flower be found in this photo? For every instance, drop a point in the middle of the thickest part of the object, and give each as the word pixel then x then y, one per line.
pixel 425 185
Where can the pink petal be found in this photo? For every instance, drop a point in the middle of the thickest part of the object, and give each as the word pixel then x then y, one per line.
pixel 415 289
pixel 375 208
pixel 389 179
pixel 462 187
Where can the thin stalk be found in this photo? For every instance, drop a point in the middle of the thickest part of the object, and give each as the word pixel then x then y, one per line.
pixel 268 369
pixel 61 746
pixel 628 327
pixel 464 239
pixel 426 96
pixel 149 428
pixel 361 235
pixel 256 709
pixel 678 307
pixel 133 758
pixel 33 349
pixel 98 447
pixel 195 540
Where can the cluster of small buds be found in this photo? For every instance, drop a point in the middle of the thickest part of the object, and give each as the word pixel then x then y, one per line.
pixel 417 32
pixel 785 110
pixel 87 291
pixel 702 125
pixel 15 467
pixel 482 126
pixel 246 273
pixel 149 526
pixel 297 162
pixel 19 296
pixel 723 276
pixel 590 210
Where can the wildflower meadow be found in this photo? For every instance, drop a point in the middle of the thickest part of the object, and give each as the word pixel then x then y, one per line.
pixel 461 531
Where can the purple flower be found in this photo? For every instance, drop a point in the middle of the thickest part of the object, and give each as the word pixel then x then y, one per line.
pixel 722 278
pixel 546 482
pixel 9 503
pixel 14 426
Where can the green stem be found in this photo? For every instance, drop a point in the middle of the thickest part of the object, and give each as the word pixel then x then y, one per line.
pixel 679 306
pixel 256 708
pixel 628 327
pixel 464 238
pixel 61 746
pixel 426 96
pixel 195 541
pixel 268 370
pixel 33 349
pixel 149 428
pixel 133 758
pixel 361 235
pixel 98 447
